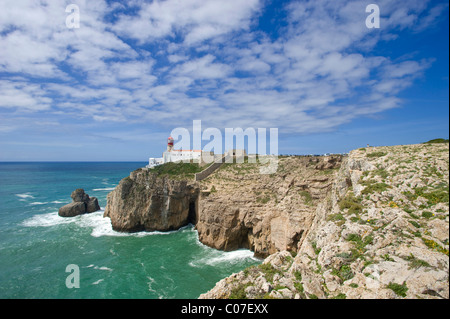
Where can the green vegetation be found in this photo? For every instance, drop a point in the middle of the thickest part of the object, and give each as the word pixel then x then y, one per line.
pixel 340 296
pixel 269 271
pixel 239 291
pixel 359 242
pixel 352 203
pixel 314 246
pixel 427 214
pixel 435 246
pixel 399 290
pixel 376 154
pixel 344 272
pixel 415 262
pixel 437 140
pixel 263 200
pixel 306 197
pixel 375 188
pixel 438 194
pixel 414 223
pixel 336 217
pixel 180 169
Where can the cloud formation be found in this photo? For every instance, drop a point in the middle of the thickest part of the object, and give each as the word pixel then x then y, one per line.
pixel 174 61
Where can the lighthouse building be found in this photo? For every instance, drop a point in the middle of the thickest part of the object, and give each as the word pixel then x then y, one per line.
pixel 171 155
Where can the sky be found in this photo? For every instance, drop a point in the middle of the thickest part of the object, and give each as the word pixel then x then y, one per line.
pixel 115 87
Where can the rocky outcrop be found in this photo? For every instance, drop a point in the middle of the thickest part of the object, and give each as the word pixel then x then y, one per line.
pixel 264 213
pixel 145 201
pixel 381 232
pixel 81 204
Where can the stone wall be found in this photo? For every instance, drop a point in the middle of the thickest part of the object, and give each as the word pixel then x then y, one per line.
pixel 212 168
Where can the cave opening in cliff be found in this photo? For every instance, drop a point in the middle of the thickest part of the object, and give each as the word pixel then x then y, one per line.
pixel 192 216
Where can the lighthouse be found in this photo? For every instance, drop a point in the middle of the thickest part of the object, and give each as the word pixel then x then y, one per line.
pixel 170 144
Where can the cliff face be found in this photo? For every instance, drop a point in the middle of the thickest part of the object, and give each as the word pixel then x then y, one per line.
pixel 236 207
pixel 145 201
pixel 265 213
pixel 372 225
pixel 381 232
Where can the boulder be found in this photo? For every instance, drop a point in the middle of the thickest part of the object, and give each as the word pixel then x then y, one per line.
pixel 81 204
pixel 79 195
pixel 72 209
pixel 92 205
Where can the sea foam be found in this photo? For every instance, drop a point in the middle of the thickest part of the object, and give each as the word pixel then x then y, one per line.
pixel 25 195
pixel 221 257
pixel 101 226
pixel 46 220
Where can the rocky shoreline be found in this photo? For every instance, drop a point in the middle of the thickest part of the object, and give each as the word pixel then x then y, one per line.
pixel 370 225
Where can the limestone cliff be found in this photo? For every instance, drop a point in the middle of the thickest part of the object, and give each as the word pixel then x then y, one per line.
pixel 241 208
pixel 148 202
pixel 236 207
pixel 381 231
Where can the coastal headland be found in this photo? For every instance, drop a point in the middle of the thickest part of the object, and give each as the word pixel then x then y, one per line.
pixel 373 224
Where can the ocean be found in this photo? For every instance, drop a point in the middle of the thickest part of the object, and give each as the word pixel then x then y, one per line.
pixel 37 246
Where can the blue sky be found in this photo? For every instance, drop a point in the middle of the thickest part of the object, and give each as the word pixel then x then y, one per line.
pixel 114 88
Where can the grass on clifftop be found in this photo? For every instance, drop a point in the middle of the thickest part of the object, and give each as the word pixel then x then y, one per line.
pixel 179 169
pixel 437 140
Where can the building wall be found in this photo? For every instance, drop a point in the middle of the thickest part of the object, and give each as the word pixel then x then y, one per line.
pixel 177 156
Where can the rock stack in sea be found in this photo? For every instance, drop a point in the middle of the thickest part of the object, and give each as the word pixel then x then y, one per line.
pixel 81 204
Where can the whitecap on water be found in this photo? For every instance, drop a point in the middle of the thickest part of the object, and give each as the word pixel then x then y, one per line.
pixel 104 189
pixel 46 220
pixel 222 257
pixel 101 226
pixel 97 282
pixel 25 195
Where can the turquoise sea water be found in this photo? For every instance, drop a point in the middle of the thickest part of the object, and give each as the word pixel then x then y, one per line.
pixel 36 245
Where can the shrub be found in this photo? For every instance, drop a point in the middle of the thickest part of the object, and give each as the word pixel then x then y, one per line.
pixel 427 214
pixel 344 273
pixel 306 197
pixel 437 140
pixel 376 154
pixel 375 188
pixel 269 271
pixel 435 246
pixel 414 223
pixel 435 196
pixel 351 203
pixel 399 290
pixel 416 262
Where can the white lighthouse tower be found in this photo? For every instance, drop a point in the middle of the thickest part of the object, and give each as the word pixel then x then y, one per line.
pixel 170 144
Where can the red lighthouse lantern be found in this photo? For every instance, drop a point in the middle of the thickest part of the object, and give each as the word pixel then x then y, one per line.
pixel 170 143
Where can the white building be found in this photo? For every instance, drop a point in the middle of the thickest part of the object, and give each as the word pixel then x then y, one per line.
pixel 172 155
pixel 197 156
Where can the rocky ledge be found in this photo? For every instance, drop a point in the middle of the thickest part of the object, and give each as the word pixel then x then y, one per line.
pixel 381 232
pixel 81 204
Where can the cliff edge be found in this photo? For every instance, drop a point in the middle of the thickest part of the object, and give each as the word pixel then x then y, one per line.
pixel 146 201
pixel 380 232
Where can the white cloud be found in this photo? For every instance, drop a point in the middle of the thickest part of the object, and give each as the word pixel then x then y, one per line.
pixel 205 60
pixel 197 20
